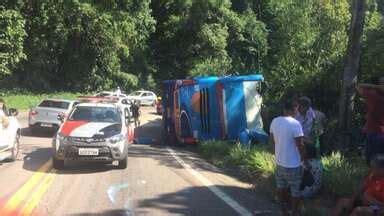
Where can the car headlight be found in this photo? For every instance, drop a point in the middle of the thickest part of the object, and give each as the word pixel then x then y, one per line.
pixel 117 138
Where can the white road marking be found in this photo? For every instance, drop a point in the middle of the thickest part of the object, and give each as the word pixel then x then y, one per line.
pixel 128 209
pixel 112 190
pixel 219 193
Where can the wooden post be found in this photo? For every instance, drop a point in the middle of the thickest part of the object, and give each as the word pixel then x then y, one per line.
pixel 351 68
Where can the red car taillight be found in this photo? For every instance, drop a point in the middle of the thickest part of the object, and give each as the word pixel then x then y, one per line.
pixel 33 112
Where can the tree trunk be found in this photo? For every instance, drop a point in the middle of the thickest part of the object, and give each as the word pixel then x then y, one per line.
pixel 351 68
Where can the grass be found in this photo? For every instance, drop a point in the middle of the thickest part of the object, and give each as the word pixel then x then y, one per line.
pixel 256 162
pixel 25 100
pixel 341 174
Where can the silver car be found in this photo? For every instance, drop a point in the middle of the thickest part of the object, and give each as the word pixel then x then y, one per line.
pixel 45 115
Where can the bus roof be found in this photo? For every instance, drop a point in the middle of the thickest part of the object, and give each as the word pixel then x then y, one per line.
pixel 213 79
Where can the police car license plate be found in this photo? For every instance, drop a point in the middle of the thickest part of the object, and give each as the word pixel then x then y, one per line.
pixel 88 151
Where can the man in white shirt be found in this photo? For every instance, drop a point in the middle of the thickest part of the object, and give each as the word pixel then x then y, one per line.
pixel 286 134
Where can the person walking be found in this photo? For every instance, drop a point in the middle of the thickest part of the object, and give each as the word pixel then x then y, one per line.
pixel 135 108
pixel 373 95
pixel 286 134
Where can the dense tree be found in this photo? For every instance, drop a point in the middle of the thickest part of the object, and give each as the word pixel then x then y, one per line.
pixel 12 36
pixel 206 38
pixel 86 45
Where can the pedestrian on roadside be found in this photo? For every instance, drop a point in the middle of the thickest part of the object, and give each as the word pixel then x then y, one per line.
pixel 312 122
pixel 4 121
pixel 373 95
pixel 286 134
pixel 135 109
pixel 118 91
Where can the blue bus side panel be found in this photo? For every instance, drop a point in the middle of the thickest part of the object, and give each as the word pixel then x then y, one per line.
pixel 235 109
pixel 212 116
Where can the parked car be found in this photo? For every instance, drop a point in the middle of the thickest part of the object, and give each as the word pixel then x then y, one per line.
pixel 44 115
pixel 10 137
pixel 110 94
pixel 118 98
pixel 94 131
pixel 144 97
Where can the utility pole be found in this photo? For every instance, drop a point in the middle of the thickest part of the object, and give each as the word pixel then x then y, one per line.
pixel 351 68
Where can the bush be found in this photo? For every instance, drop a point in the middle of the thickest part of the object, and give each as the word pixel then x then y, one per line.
pixel 342 175
pixel 237 156
pixel 260 161
pixel 215 150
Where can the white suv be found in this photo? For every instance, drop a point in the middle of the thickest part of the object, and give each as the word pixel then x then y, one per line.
pixel 93 132
pixel 110 94
pixel 145 97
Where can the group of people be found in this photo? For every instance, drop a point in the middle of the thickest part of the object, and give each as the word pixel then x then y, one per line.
pixel 296 136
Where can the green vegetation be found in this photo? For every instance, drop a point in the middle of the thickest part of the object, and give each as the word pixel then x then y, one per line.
pixel 341 175
pixel 258 162
pixel 24 101
pixel 88 45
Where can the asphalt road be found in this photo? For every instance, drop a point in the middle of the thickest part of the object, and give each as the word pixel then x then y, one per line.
pixel 159 180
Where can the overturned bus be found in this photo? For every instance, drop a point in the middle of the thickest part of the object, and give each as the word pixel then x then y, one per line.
pixel 204 108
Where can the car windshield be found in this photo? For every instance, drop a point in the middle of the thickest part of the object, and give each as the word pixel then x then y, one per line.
pixel 54 104
pixel 135 93
pixel 95 114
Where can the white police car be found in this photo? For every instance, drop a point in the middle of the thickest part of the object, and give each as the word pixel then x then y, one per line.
pixel 93 131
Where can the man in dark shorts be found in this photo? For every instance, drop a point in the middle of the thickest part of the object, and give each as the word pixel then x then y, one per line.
pixel 374 126
pixel 135 108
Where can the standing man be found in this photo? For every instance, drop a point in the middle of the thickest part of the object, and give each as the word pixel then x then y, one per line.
pixel 373 95
pixel 135 108
pixel 312 121
pixel 286 134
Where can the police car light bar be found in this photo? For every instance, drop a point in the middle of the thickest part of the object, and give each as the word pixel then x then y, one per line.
pixel 98 99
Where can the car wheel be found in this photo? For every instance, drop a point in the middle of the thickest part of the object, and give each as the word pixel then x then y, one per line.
pixel 123 163
pixel 15 149
pixel 58 164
